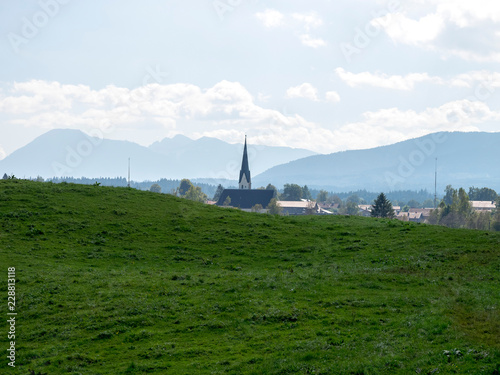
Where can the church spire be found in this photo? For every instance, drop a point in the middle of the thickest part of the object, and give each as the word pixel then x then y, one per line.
pixel 245 180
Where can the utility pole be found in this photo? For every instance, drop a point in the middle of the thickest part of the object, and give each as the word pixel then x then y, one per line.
pixel 435 184
pixel 128 185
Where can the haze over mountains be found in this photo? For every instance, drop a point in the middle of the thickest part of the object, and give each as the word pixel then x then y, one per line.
pixel 65 152
pixel 464 160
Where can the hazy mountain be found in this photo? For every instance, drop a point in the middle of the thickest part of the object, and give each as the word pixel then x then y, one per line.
pixel 65 152
pixel 464 160
pixel 213 158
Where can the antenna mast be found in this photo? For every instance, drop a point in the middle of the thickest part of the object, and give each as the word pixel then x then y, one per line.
pixel 128 172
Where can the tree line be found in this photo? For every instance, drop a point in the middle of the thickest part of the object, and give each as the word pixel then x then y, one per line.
pixel 455 209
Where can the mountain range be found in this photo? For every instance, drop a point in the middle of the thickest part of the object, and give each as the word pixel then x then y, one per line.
pixel 462 160
pixel 67 152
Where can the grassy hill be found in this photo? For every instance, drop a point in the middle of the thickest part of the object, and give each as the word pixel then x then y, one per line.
pixel 119 281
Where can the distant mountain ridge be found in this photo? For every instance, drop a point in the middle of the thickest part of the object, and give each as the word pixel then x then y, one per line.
pixel 67 152
pixel 463 160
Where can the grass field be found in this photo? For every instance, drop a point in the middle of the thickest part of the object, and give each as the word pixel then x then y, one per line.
pixel 120 281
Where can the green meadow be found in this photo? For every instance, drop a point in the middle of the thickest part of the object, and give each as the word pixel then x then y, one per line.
pixel 121 281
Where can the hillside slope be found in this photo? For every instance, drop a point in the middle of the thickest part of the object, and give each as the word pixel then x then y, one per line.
pixel 115 281
pixel 464 160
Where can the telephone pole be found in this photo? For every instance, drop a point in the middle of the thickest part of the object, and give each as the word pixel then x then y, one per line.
pixel 128 185
pixel 435 183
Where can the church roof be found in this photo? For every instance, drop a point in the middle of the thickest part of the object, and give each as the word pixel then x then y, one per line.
pixel 245 170
pixel 243 198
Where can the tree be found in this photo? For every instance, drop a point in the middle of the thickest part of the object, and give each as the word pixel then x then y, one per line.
pixel 464 207
pixel 428 203
pixel 274 208
pixel 322 196
pixel 335 199
pixel 227 201
pixel 275 191
pixel 184 186
pixel 351 208
pixel 218 192
pixel 434 217
pixel 306 194
pixel 479 220
pixel 310 210
pixel 195 194
pixel 455 210
pixel 449 193
pixel 382 207
pixel 292 192
pixel 484 194
pixel 353 198
pixel 413 204
pixel 496 220
pixel 155 188
pixel 257 208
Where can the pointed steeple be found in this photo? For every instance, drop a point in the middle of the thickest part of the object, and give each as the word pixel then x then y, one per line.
pixel 245 180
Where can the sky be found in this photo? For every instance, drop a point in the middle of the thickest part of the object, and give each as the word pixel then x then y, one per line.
pixel 325 75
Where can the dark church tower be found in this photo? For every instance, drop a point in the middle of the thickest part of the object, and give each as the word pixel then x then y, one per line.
pixel 245 180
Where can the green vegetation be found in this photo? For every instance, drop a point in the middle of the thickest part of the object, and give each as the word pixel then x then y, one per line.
pixel 382 207
pixel 455 210
pixel 121 281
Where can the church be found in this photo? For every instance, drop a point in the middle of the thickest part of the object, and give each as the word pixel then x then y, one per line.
pixel 244 197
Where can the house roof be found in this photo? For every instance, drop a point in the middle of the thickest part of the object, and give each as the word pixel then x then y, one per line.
pixel 246 198
pixel 483 204
pixel 423 211
pixel 296 204
pixel 410 215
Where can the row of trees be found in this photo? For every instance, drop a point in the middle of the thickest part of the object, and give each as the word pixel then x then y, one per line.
pixel 455 210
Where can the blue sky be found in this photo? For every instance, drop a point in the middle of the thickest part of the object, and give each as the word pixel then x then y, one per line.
pixel 322 75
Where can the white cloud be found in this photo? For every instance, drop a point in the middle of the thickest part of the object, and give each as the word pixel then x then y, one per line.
pixel 392 125
pixel 310 20
pixel 228 111
pixel 475 79
pixel 309 41
pixel 332 96
pixel 263 98
pixel 271 18
pixel 305 22
pixel 3 154
pixel 402 29
pixel 305 90
pixel 395 82
pixel 466 13
pixel 442 28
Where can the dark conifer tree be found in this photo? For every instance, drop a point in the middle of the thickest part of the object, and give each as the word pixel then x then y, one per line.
pixel 382 207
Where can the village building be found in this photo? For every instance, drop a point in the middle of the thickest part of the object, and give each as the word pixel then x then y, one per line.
pixel 483 206
pixel 415 217
pixel 303 207
pixel 245 197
